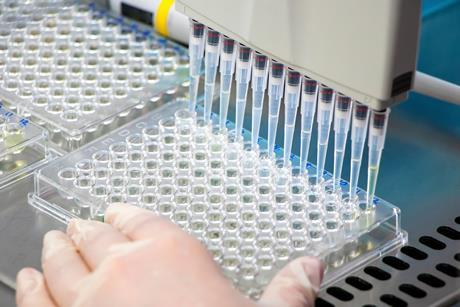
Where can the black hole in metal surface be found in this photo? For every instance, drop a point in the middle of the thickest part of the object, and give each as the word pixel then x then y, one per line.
pixel 320 302
pixel 448 269
pixel 358 283
pixel 431 280
pixel 377 273
pixel 367 305
pixel 396 263
pixel 412 290
pixel 340 294
pixel 457 256
pixel 393 300
pixel 414 253
pixel 449 232
pixel 432 243
pixel 457 220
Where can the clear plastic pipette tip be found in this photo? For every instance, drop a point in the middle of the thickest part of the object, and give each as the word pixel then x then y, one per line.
pixel 342 116
pixel 243 75
pixel 196 47
pixel 227 68
pixel 291 103
pixel 307 111
pixel 211 60
pixel 193 91
pixel 376 141
pixel 324 120
pixel 359 125
pixel 259 84
pixel 275 93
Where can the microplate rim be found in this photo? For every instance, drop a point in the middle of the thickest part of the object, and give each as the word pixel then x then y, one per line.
pixel 36 136
pixel 34 132
pixel 28 170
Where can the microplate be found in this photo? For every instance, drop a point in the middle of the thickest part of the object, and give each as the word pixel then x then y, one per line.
pixel 79 71
pixel 22 147
pixel 252 213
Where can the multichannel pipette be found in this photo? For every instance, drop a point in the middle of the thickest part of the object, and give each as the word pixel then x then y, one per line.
pixel 243 75
pixel 227 68
pixel 358 137
pixel 307 111
pixel 275 93
pixel 324 120
pixel 341 126
pixel 291 102
pixel 196 47
pixel 370 80
pixel 259 84
pixel 211 60
pixel 376 141
pixel 315 98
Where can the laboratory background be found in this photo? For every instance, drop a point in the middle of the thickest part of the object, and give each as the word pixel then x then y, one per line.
pixel 267 129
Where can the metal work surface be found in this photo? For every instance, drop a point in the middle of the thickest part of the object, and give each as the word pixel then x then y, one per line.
pixel 21 232
pixel 420 174
pixel 423 273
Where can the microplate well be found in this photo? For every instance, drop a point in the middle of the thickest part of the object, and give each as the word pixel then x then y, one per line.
pixel 252 214
pixel 22 146
pixel 81 72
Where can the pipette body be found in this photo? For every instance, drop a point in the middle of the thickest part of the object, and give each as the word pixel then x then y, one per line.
pixel 275 93
pixel 342 114
pixel 358 138
pixel 243 75
pixel 324 120
pixel 227 68
pixel 259 84
pixel 307 111
pixel 291 103
pixel 376 141
pixel 211 60
pixel 196 47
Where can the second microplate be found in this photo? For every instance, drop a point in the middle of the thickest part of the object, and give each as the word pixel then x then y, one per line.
pixel 252 213
pixel 23 147
pixel 79 71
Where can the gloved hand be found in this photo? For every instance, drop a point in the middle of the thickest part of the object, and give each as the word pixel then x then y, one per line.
pixel 137 258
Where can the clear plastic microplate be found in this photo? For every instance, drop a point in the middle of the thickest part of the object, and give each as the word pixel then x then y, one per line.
pixel 252 212
pixel 79 71
pixel 22 146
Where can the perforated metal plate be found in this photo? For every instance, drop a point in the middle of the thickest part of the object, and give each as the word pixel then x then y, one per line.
pixel 424 273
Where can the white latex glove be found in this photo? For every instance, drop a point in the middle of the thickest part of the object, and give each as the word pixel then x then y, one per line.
pixel 137 258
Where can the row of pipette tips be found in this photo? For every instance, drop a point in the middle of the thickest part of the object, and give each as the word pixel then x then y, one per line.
pixel 249 65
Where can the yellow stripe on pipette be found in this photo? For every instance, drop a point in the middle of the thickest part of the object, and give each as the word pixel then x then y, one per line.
pixel 161 16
